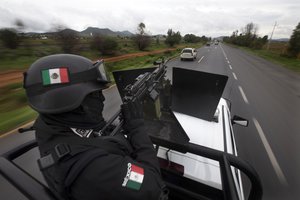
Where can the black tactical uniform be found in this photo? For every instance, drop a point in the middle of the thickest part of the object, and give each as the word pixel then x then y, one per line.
pixel 75 164
pixel 107 175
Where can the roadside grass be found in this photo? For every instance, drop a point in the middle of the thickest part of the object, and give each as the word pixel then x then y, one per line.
pixel 14 111
pixel 290 63
pixel 275 55
pixel 16 118
pixel 32 49
pixel 138 62
pixel 24 56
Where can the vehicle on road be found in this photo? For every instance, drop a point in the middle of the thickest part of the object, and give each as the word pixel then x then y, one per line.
pixel 188 54
pixel 191 128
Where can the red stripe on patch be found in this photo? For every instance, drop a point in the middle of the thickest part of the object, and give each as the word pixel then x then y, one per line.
pixel 137 169
pixel 64 76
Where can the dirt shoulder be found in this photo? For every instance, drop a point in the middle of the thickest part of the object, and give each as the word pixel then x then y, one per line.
pixel 16 76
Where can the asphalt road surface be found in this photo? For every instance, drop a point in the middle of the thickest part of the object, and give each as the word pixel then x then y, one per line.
pixel 266 94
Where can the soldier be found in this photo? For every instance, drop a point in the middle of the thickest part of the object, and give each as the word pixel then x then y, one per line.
pixel 66 91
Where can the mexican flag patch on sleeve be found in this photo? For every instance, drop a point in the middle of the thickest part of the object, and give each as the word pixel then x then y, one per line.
pixel 134 177
pixel 55 76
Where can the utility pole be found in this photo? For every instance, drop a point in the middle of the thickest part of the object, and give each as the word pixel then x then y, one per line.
pixel 271 36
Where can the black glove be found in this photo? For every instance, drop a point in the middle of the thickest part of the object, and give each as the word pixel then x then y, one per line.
pixel 132 114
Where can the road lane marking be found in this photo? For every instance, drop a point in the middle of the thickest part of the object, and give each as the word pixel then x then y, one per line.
pixel 230 67
pixel 270 153
pixel 200 59
pixel 223 52
pixel 228 62
pixel 234 76
pixel 243 95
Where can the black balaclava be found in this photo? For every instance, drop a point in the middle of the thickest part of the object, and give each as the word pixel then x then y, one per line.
pixel 87 116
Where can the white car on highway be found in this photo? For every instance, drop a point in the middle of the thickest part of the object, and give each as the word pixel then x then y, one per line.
pixel 188 54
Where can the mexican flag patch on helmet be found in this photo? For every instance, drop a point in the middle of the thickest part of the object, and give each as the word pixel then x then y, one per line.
pixel 134 177
pixel 55 76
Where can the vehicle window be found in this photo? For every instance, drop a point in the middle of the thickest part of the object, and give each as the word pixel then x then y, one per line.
pixel 186 51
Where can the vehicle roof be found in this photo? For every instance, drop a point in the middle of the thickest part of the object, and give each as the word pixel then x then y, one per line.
pixel 188 48
pixel 202 132
pixel 206 133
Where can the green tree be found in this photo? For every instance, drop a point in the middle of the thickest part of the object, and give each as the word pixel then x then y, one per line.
pixel 10 38
pixel 191 38
pixel 97 43
pixel 110 45
pixel 294 43
pixel 68 39
pixel 173 38
pixel 105 45
pixel 141 39
pixel 258 43
pixel 141 28
pixel 248 37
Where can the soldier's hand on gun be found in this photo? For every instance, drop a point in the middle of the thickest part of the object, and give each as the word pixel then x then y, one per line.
pixel 132 114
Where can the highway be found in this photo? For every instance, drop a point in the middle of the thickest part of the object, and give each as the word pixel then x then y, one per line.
pixel 269 97
pixel 264 93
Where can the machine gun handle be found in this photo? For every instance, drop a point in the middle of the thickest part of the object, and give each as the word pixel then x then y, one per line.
pixel 22 130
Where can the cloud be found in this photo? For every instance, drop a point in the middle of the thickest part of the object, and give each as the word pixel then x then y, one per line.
pixel 210 18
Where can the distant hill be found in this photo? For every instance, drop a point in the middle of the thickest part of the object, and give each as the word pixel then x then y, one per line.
pixel 64 31
pixel 281 40
pixel 125 33
pixel 220 38
pixel 90 31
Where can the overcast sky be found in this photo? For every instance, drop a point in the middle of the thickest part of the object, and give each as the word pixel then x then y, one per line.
pixel 210 18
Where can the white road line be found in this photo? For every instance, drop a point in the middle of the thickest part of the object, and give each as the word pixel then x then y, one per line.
pixel 270 153
pixel 243 95
pixel 230 67
pixel 234 76
pixel 200 59
pixel 223 52
pixel 228 62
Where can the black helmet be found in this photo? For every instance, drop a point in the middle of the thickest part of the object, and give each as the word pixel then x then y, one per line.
pixel 59 83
